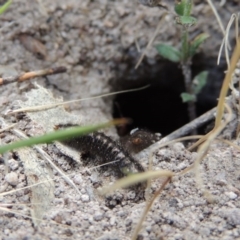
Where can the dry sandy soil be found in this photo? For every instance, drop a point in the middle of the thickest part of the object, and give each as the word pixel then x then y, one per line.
pixel 91 39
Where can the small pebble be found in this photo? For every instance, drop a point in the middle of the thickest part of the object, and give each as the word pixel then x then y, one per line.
pixel 13 164
pixel 233 216
pixel 112 221
pixel 131 195
pixel 85 198
pixel 77 179
pixel 12 178
pixel 231 195
pixel 7 231
pixel 98 216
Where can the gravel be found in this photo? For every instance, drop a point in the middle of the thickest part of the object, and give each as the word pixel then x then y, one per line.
pixel 95 40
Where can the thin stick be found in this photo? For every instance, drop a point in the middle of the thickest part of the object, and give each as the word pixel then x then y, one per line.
pixel 33 74
pixel 189 127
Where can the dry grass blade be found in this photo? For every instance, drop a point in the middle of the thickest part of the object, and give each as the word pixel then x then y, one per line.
pixel 209 138
pixel 147 208
pixel 217 17
pixel 48 159
pixel 229 143
pixel 223 93
pixel 218 125
pixel 151 40
pixel 49 106
pixel 39 205
pixel 136 178
pixel 42 194
pixel 7 128
pixel 233 18
pixel 18 213
pixel 202 151
pixel 226 82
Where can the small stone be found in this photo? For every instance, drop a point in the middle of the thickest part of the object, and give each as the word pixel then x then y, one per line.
pixel 98 216
pixel 12 178
pixel 231 195
pixel 112 221
pixel 3 187
pixel 13 164
pixel 233 216
pixel 178 147
pixel 204 231
pixel 94 177
pixel 77 179
pixel 7 231
pixel 128 222
pixel 108 24
pixel 69 60
pixel 131 195
pixel 85 198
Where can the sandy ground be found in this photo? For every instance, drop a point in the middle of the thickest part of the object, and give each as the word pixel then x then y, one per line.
pixel 91 39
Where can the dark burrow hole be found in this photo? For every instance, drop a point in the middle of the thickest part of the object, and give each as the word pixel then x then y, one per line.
pixel 159 108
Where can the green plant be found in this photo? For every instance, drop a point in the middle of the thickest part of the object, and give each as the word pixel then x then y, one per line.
pixel 59 135
pixel 184 55
pixel 5 6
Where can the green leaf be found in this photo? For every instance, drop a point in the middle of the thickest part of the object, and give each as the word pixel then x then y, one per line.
pixel 200 81
pixel 197 42
pixel 169 52
pixel 186 20
pixel 58 135
pixel 184 7
pixel 5 6
pixel 186 97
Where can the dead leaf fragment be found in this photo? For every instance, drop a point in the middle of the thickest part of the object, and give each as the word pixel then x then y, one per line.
pixel 33 45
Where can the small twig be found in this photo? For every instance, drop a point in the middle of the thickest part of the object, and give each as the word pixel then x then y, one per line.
pixel 184 130
pixel 33 74
pixel 189 127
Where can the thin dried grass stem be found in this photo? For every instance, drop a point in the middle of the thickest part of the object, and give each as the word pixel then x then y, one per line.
pixel 147 208
pixel 225 39
pixel 226 82
pixel 48 159
pixel 203 151
pixel 151 40
pixel 49 106
pixel 217 17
